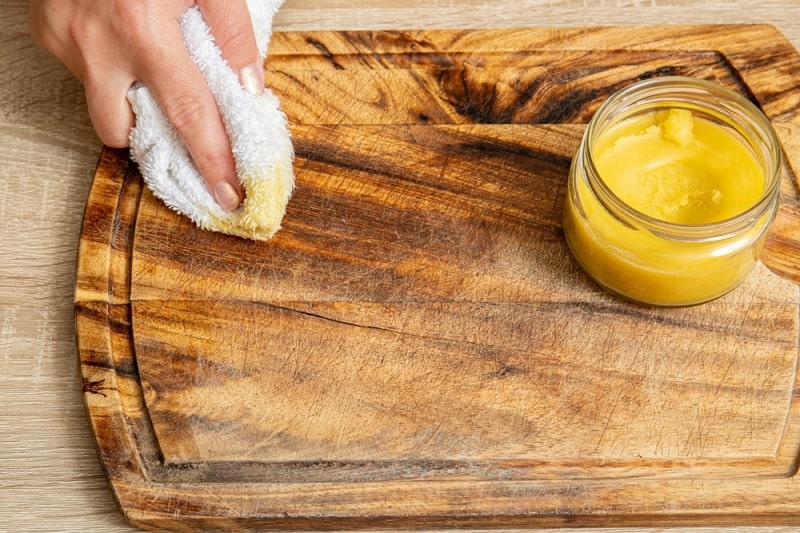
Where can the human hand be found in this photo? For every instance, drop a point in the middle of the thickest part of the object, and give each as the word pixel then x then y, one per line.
pixel 110 44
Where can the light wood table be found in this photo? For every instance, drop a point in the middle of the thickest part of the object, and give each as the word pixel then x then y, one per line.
pixel 50 479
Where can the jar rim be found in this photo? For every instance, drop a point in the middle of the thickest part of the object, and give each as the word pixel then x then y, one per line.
pixel 703 95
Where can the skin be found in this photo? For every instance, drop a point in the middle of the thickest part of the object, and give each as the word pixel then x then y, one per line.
pixel 110 44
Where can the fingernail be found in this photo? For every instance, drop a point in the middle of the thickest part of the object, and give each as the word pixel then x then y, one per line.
pixel 226 196
pixel 252 78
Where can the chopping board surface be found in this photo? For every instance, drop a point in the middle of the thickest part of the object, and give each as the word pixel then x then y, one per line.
pixel 416 347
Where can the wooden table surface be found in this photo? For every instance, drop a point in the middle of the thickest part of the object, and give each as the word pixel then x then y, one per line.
pixel 50 478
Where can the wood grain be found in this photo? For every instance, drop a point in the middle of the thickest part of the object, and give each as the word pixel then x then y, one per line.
pixel 416 347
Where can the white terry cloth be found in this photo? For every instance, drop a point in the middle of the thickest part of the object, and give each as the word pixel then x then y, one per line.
pixel 256 126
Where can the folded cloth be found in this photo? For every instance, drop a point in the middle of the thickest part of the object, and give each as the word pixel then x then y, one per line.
pixel 256 126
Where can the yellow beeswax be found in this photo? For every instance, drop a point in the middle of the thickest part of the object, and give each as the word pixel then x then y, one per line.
pixel 675 168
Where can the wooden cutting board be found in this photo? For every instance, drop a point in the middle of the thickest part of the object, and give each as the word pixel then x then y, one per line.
pixel 417 348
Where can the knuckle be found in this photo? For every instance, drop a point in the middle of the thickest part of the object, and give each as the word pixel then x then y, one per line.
pixel 214 162
pixel 129 21
pixel 234 38
pixel 186 113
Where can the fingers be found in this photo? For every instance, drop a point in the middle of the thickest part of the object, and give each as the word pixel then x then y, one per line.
pixel 182 93
pixel 109 44
pixel 233 32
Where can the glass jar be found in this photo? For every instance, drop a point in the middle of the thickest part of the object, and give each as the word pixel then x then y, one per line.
pixel 669 212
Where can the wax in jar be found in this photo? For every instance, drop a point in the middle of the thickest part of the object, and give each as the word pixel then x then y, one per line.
pixel 673 167
pixel 678 168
